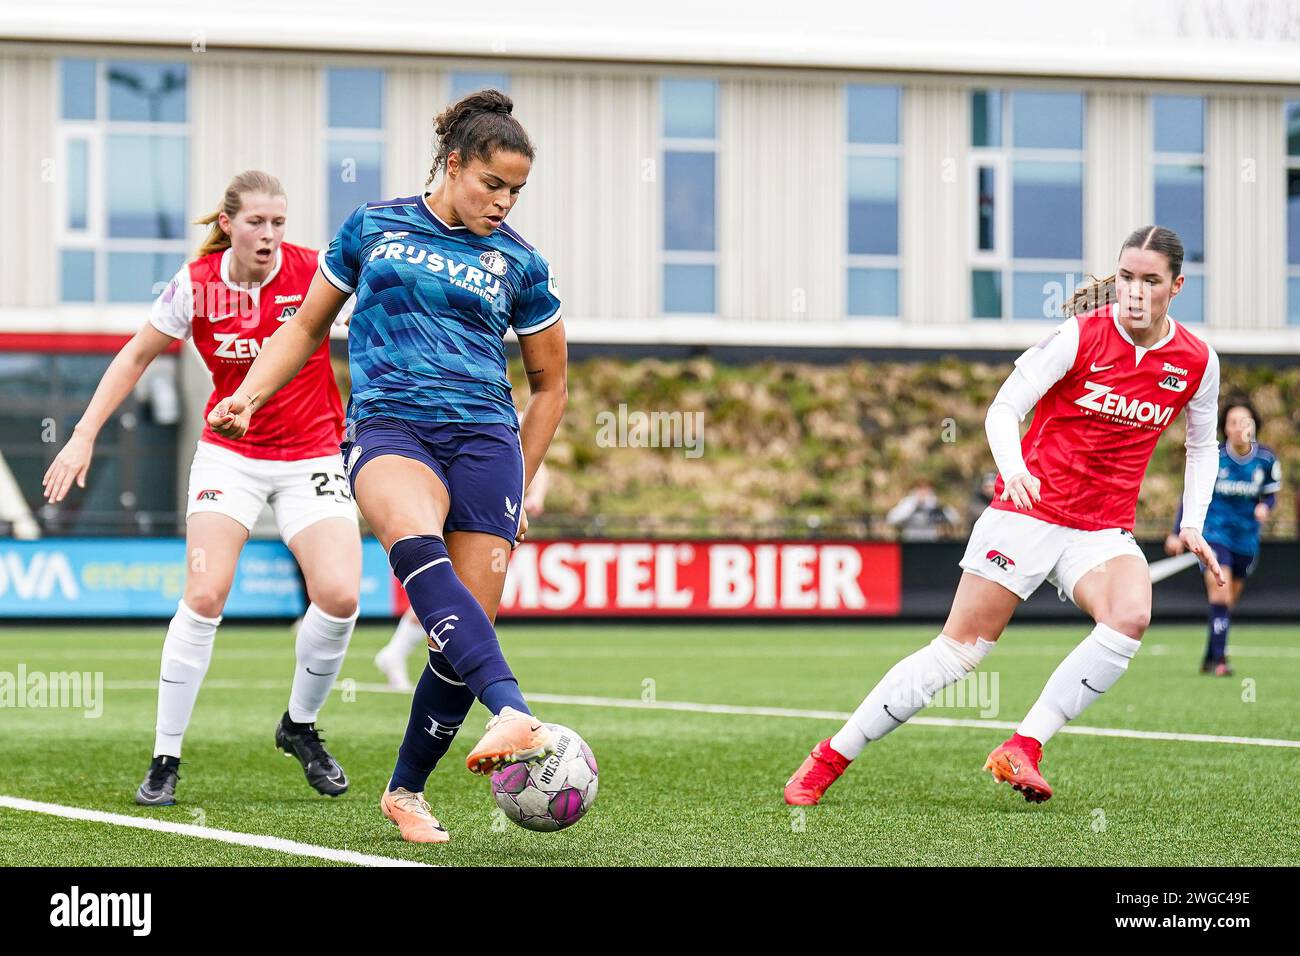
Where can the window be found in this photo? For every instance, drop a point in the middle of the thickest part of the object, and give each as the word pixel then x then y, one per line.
pixel 873 161
pixel 123 141
pixel 465 82
pixel 354 141
pixel 689 110
pixel 1179 134
pixel 1027 220
pixel 1293 211
pixel 132 484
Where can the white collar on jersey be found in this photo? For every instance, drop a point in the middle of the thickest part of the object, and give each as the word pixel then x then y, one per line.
pixel 1141 350
pixel 252 289
pixel 427 205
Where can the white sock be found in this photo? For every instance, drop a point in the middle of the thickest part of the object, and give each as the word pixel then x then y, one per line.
pixel 322 642
pixel 407 636
pixel 1086 673
pixel 909 686
pixel 186 654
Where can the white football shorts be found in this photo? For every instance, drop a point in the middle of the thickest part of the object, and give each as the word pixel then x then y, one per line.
pixel 1019 551
pixel 300 493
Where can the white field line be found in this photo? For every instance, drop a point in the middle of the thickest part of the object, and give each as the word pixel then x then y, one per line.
pixel 256 840
pixel 1057 651
pixel 641 653
pixel 633 703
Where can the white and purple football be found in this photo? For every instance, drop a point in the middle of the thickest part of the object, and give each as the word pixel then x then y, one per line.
pixel 551 794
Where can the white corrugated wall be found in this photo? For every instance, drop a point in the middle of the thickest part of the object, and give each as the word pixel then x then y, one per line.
pixel 413 96
pixel 1118 190
pixel 781 206
pixel 251 114
pixel 935 205
pixel 29 186
pixel 591 203
pixel 1245 212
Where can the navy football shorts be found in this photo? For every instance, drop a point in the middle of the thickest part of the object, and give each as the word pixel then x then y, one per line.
pixel 482 466
pixel 1240 564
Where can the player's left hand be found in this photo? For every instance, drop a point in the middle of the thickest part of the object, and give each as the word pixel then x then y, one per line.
pixel 1198 546
pixel 523 528
pixel 1261 512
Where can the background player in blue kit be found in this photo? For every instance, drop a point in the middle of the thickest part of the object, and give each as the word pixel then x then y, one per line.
pixel 1245 491
pixel 436 454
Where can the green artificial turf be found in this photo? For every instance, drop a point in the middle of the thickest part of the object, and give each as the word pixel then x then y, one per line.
pixel 679 786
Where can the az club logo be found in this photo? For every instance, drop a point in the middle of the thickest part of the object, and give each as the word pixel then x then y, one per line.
pixel 1174 383
pixel 208 494
pixel 1001 560
pixel 288 313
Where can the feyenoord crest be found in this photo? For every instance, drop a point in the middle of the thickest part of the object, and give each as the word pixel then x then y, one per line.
pixel 494 262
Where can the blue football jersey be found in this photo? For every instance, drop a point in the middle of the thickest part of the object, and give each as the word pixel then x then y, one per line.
pixel 1241 484
pixel 433 303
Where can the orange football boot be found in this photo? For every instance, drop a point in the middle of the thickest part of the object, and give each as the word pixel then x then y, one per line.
pixel 511 737
pixel 1015 761
pixel 819 770
pixel 413 817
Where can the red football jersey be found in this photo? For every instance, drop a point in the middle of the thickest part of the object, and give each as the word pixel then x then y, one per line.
pixel 1097 424
pixel 229 326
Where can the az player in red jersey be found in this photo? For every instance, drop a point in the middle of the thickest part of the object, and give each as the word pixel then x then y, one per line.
pixel 242 285
pixel 1103 387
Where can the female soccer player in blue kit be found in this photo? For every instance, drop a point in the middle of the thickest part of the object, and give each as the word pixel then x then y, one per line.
pixel 435 452
pixel 1245 491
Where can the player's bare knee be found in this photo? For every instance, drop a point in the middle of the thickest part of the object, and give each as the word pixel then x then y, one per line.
pixel 337 600
pixel 1130 621
pixel 205 601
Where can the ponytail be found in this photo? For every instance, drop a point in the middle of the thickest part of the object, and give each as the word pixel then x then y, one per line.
pixel 249 181
pixel 1091 295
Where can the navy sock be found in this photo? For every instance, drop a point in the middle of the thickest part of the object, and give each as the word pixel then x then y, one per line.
pixel 451 617
pixel 1220 619
pixel 504 693
pixel 438 709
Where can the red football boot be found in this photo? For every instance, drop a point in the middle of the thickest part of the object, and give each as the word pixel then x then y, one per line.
pixel 1016 762
pixel 821 769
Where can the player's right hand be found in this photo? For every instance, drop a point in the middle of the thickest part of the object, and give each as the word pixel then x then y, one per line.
pixel 71 464
pixel 523 528
pixel 1022 491
pixel 230 417
pixel 1201 548
pixel 1174 545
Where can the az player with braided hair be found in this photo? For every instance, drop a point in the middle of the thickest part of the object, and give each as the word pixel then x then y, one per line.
pixel 1102 386
pixel 436 454
pixel 242 285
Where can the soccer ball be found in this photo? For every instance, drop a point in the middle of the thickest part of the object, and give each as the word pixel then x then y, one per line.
pixel 554 793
